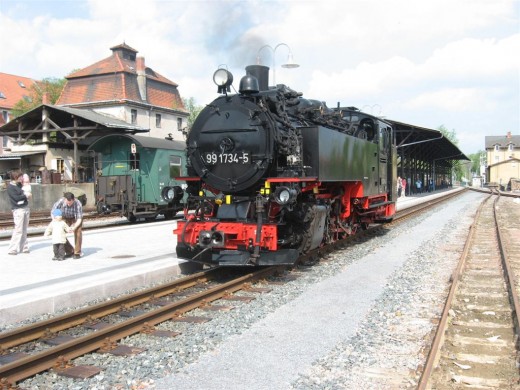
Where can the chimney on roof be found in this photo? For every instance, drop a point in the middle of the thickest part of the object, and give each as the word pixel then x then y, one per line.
pixel 508 134
pixel 141 76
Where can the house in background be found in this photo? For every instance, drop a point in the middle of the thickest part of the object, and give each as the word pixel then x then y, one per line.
pixel 503 159
pixel 123 87
pixel 12 89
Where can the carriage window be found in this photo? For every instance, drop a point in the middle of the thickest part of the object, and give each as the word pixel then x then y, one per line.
pixel 134 161
pixel 133 116
pixel 179 124
pixel 175 166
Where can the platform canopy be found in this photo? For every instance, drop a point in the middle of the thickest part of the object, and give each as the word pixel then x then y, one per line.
pixel 425 144
pixel 73 123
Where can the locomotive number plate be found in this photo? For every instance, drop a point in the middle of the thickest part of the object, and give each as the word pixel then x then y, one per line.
pixel 213 158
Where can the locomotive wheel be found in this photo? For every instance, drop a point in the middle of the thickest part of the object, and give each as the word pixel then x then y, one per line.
pixel 131 217
pixel 307 234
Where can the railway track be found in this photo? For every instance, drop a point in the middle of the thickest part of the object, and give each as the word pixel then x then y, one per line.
pixel 137 313
pixel 24 352
pixel 476 344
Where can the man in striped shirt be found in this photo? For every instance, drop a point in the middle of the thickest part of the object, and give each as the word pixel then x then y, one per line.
pixel 72 212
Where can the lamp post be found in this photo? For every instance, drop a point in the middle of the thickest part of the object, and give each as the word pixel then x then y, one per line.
pixel 290 61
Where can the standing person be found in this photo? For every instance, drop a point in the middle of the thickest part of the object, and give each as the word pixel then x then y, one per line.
pixel 58 229
pixel 72 212
pixel 20 208
pixel 404 187
pixel 418 185
pixel 399 186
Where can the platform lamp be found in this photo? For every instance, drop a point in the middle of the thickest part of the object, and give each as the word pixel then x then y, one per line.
pixel 290 60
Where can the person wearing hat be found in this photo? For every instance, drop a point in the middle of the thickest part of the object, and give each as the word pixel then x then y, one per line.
pixel 72 210
pixel 58 229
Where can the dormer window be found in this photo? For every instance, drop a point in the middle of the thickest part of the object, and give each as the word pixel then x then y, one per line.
pixel 21 84
pixel 510 147
pixel 497 147
pixel 2 96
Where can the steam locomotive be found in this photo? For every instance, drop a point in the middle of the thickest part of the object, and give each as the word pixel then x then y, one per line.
pixel 272 175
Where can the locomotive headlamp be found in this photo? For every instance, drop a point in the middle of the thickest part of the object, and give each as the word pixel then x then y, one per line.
pixel 171 193
pixel 223 78
pixel 285 195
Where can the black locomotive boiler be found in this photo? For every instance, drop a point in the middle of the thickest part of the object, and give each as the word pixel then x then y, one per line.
pixel 272 175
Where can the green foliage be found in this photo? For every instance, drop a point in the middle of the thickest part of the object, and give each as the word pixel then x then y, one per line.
pixel 475 161
pixel 51 86
pixel 193 109
pixel 450 134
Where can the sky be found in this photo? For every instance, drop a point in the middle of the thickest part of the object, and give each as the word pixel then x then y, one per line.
pixel 430 63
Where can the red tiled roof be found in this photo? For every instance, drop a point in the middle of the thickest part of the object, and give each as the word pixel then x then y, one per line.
pixel 13 91
pixel 115 79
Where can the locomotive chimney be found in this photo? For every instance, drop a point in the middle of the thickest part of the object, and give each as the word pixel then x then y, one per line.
pixel 261 72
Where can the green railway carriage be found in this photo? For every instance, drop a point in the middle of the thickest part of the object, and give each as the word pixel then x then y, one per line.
pixel 136 175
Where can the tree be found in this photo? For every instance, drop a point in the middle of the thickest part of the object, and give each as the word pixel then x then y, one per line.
pixel 476 161
pixel 193 109
pixel 51 86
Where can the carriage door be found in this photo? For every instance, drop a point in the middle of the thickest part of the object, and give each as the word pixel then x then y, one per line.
pixel 384 157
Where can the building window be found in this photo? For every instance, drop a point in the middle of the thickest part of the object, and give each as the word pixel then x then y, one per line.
pixel 510 147
pixel 2 96
pixel 21 84
pixel 175 166
pixel 58 165
pixel 497 148
pixel 5 116
pixel 157 120
pixel 133 116
pixel 179 124
pixel 497 159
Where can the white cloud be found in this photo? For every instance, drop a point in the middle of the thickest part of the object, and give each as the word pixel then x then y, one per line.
pixel 452 99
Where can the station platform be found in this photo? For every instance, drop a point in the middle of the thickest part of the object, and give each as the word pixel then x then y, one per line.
pixel 115 260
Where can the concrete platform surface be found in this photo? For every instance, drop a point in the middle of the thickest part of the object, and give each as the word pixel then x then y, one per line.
pixel 114 260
